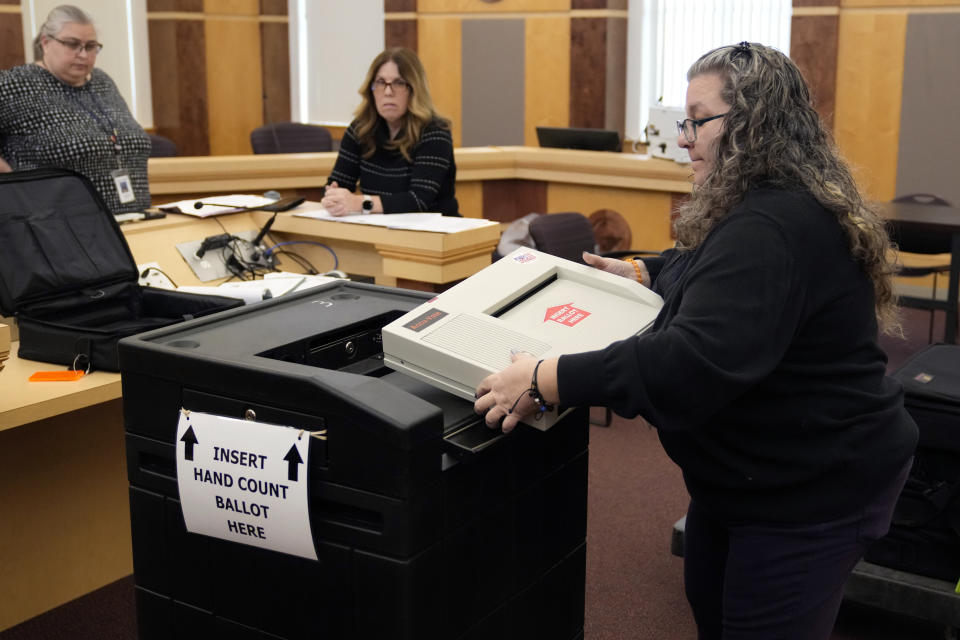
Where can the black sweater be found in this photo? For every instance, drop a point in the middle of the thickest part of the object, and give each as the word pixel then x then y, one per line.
pixel 426 184
pixel 762 372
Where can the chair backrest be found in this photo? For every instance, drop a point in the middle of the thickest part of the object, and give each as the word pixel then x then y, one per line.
pixel 918 240
pixel 161 147
pixel 566 235
pixel 611 231
pixel 290 137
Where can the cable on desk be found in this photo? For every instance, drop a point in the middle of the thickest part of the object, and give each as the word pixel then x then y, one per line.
pixel 336 261
pixel 300 260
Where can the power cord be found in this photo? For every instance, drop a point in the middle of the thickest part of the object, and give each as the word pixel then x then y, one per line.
pixel 336 261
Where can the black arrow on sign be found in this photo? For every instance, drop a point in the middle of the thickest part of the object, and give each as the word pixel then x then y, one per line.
pixel 189 439
pixel 293 457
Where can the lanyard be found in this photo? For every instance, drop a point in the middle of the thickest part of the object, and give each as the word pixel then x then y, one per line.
pixel 102 119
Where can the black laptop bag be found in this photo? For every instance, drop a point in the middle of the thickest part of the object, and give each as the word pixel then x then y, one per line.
pixel 67 274
pixel 924 538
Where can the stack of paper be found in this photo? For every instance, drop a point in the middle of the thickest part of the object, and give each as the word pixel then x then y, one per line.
pixel 273 285
pixel 215 205
pixel 409 221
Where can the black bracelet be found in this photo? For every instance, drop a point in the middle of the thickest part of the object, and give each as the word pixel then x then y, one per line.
pixel 534 393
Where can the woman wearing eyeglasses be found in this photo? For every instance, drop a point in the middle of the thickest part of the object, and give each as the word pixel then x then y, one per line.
pixel 398 149
pixel 762 372
pixel 63 112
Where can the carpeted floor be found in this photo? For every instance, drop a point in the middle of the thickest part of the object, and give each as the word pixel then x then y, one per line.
pixel 634 588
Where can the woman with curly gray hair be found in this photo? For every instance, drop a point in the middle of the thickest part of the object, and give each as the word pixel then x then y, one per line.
pixel 762 372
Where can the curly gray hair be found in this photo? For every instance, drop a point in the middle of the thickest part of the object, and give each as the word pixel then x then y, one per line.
pixel 772 135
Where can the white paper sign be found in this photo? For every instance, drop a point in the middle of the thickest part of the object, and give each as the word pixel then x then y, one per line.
pixel 245 481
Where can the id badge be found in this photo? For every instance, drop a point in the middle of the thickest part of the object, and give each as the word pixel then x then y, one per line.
pixel 124 186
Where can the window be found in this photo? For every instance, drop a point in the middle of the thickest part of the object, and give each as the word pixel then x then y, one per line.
pixel 666 36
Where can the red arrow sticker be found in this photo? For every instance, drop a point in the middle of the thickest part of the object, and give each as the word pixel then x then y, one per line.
pixel 565 314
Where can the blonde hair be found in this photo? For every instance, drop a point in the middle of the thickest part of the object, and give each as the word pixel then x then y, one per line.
pixel 420 109
pixel 773 135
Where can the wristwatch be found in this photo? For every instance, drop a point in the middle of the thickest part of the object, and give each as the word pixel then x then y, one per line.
pixel 367 205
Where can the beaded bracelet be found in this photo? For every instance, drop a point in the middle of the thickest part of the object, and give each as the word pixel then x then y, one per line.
pixel 636 267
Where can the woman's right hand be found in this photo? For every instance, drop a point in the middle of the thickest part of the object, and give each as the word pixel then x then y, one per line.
pixel 618 267
pixel 338 201
pixel 4 167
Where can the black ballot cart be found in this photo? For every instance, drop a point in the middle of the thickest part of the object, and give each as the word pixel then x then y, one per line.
pixel 425 523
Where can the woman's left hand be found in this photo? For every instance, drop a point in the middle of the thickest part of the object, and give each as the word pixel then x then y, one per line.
pixel 338 201
pixel 504 397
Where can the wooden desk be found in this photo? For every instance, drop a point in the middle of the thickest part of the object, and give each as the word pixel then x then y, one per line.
pixel 944 220
pixel 393 257
pixel 412 259
pixel 64 506
pixel 496 183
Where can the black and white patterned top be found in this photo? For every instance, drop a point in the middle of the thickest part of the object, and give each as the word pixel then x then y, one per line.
pixel 426 184
pixel 46 123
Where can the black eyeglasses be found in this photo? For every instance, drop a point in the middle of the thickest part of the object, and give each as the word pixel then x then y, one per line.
pixel 380 85
pixel 92 47
pixel 689 126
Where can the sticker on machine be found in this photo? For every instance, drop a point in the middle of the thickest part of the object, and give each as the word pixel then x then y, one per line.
pixel 245 481
pixel 425 319
pixel 525 257
pixel 565 314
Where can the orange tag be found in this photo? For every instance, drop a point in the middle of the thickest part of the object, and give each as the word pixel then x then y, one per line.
pixel 56 376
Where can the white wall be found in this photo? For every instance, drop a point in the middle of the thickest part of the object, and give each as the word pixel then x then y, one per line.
pixel 331 47
pixel 122 28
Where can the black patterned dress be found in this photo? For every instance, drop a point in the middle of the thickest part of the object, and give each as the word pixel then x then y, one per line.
pixel 46 123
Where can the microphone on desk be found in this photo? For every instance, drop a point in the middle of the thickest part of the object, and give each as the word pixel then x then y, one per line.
pixel 284 204
pixel 200 205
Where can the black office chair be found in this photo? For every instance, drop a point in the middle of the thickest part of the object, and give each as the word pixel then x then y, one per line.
pixel 161 147
pixel 565 235
pixel 290 137
pixel 921 242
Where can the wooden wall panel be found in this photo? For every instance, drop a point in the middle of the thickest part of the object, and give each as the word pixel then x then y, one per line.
pixel 926 162
pixel 175 5
pixel 231 7
pixel 588 77
pixel 400 33
pixel 399 6
pixel 492 109
pixel 11 39
pixel 813 46
pixel 275 69
pixel 647 212
pixel 439 45
pixel 470 198
pixel 615 93
pixel 507 200
pixel 547 75
pixel 869 88
pixel 179 84
pixel 235 92
pixel 273 7
pixel 482 6
pixel 895 4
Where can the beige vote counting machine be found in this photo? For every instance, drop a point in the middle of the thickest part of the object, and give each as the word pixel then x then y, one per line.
pixel 526 301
